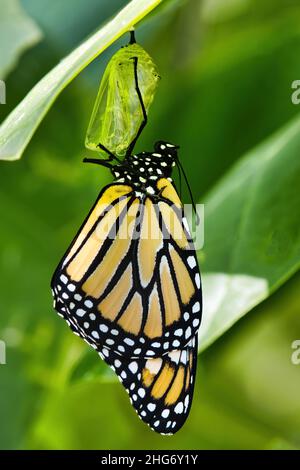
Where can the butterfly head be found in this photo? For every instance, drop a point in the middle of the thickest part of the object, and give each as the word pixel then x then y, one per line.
pixel 166 152
pixel 166 148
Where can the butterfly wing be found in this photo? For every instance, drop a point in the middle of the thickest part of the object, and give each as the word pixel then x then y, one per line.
pixel 161 388
pixel 130 280
pixel 129 285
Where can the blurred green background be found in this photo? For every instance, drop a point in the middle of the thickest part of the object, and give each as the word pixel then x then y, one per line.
pixel 227 68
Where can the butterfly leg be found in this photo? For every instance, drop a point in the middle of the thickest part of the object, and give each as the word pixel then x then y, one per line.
pixel 103 161
pixel 99 161
pixel 111 156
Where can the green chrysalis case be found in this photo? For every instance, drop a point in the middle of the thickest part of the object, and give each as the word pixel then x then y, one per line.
pixel 117 114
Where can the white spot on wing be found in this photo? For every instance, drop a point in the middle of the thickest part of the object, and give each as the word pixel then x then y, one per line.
pixel 178 332
pixel 188 332
pixel 153 365
pixel 64 279
pixel 179 408
pixel 129 341
pixel 174 355
pixel 133 367
pixel 191 262
pixel 151 406
pixel 80 312
pixel 141 392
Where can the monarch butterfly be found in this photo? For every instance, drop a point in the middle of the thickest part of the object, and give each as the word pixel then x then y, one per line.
pixel 135 296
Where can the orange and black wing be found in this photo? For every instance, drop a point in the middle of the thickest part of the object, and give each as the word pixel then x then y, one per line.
pixel 130 280
pixel 161 388
pixel 129 285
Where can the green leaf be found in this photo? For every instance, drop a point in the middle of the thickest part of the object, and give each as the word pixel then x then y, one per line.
pixel 253 365
pixel 252 232
pixel 20 125
pixel 226 298
pixel 18 32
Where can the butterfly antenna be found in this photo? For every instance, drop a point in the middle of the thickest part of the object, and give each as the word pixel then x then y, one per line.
pixel 189 190
pixel 180 182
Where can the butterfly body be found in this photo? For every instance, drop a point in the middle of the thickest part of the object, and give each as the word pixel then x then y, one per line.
pixel 143 170
pixel 129 285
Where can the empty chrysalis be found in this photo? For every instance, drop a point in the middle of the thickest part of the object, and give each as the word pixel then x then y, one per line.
pixel 117 114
